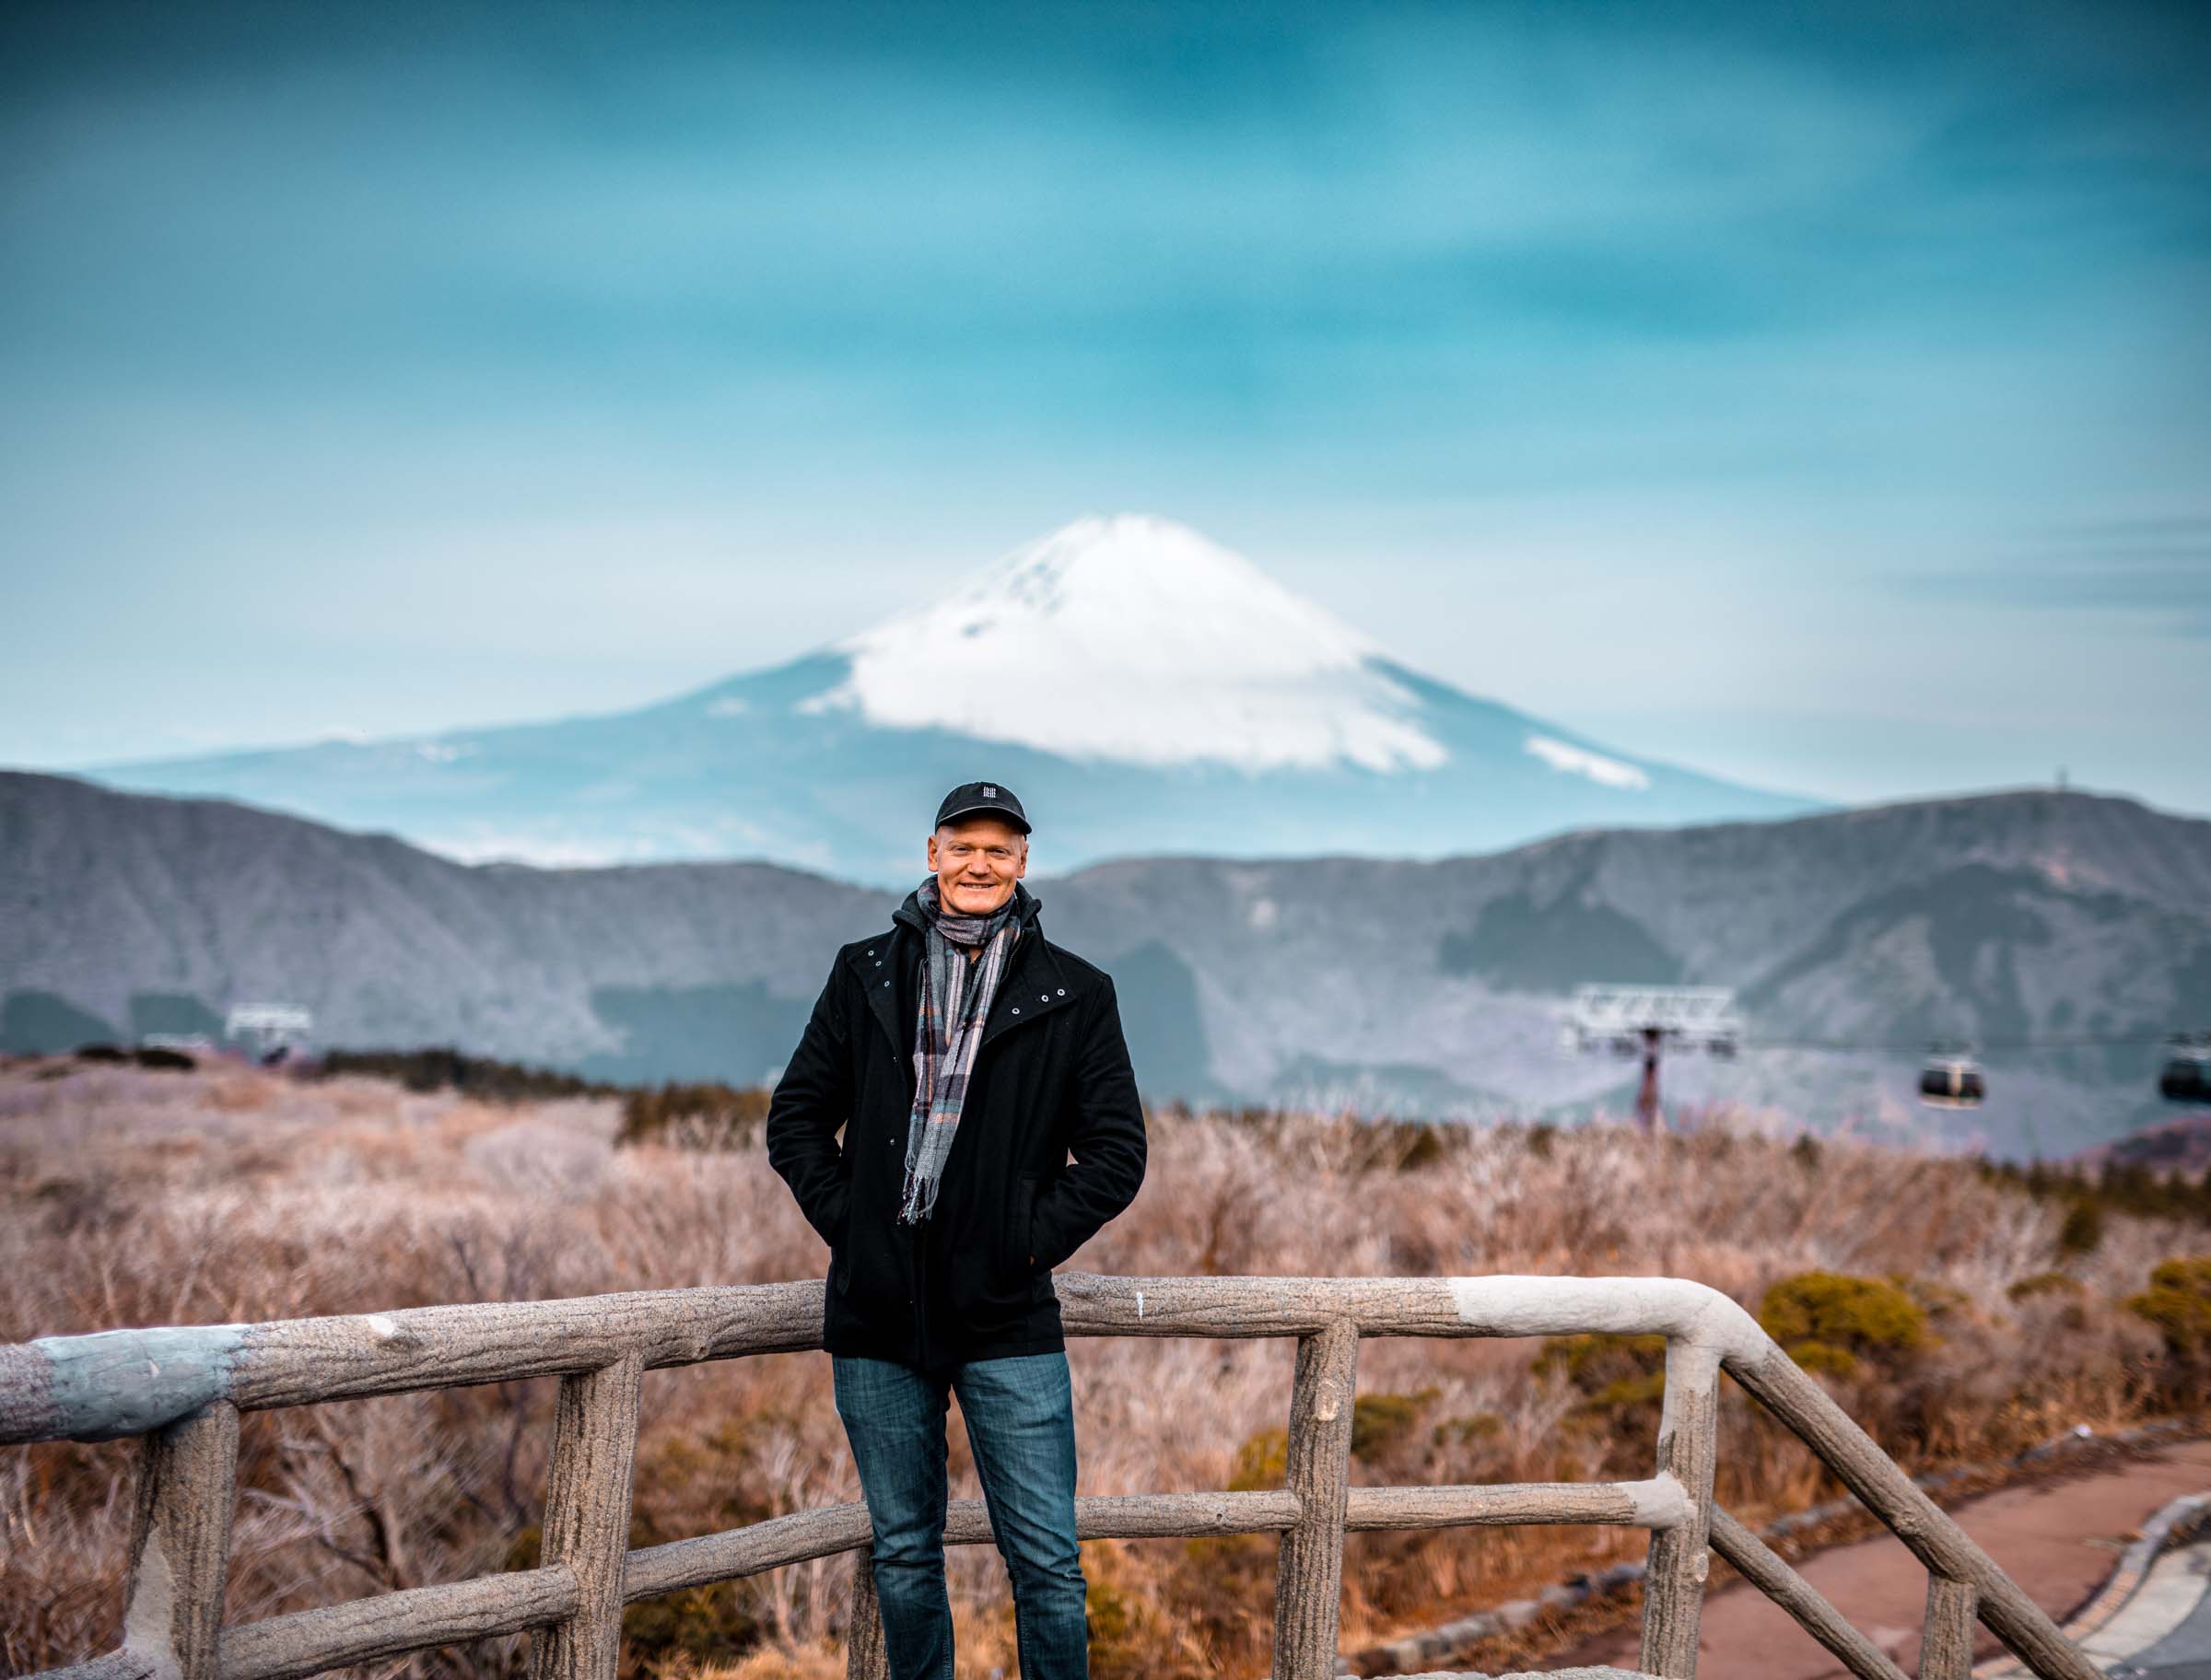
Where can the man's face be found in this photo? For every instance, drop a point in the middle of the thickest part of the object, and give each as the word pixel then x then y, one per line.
pixel 977 860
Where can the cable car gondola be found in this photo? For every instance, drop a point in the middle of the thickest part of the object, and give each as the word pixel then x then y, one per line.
pixel 2187 1076
pixel 1951 1079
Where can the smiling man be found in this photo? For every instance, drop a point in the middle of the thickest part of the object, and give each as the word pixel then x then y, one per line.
pixel 990 1127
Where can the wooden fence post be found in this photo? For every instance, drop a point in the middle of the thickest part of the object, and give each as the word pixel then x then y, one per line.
pixel 1946 1642
pixel 1308 1582
pixel 865 1658
pixel 181 1542
pixel 1679 1559
pixel 587 1518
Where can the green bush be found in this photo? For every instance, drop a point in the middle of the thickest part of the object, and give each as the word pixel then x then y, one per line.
pixel 1832 1321
pixel 704 1624
pixel 1263 1461
pixel 2131 1188
pixel 2177 1302
pixel 1613 1372
pixel 1825 1358
pixel 1466 1431
pixel 1107 1612
pixel 2045 1283
pixel 1937 1301
pixel 725 1116
pixel 1380 1421
pixel 1424 1149
pixel 2082 1232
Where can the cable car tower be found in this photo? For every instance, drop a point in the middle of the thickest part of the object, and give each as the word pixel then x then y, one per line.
pixel 1630 1021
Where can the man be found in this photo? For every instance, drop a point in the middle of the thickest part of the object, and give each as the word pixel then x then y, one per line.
pixel 967 1059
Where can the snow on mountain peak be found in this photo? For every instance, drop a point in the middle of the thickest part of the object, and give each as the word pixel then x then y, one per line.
pixel 1136 639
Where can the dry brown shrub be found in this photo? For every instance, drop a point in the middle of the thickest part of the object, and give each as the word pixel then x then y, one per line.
pixel 130 1197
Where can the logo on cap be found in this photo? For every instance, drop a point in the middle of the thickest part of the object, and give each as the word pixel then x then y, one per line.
pixel 989 792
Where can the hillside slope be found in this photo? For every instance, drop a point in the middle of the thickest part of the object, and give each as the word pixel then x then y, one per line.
pixel 2024 920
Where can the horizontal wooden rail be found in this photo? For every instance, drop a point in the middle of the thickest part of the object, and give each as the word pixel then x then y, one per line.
pixel 183 1389
pixel 364 1630
pixel 392 1624
pixel 806 1534
pixel 117 1382
pixel 1656 1504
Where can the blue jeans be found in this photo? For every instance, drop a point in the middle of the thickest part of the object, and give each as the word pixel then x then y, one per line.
pixel 1021 1423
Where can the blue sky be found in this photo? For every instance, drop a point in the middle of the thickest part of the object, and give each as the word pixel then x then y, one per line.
pixel 1821 399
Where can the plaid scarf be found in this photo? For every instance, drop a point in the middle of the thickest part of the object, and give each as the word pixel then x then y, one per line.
pixel 948 1028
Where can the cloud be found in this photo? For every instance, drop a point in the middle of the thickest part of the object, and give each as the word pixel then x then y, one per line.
pixel 2159 567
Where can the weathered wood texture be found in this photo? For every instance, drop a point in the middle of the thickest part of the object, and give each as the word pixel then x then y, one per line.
pixel 392 1624
pixel 1308 1580
pixel 125 1381
pixel 1938 1542
pixel 180 1543
pixel 1673 1585
pixel 865 1658
pixel 1658 1503
pixel 1945 1640
pixel 1765 1570
pixel 115 1665
pixel 184 1386
pixel 805 1535
pixel 735 1553
pixel 587 1518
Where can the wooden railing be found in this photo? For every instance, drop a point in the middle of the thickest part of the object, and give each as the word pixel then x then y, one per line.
pixel 182 1391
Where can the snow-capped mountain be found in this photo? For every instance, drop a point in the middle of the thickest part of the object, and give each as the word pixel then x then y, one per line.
pixel 1144 689
pixel 1138 641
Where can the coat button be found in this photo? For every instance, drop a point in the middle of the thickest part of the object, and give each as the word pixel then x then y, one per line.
pixel 886 982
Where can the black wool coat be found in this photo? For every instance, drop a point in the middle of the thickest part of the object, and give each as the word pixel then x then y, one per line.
pixel 1050 1146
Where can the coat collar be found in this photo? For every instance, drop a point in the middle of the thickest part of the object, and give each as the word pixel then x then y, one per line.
pixel 1035 984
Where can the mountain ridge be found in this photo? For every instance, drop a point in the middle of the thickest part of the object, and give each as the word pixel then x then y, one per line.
pixel 1395 985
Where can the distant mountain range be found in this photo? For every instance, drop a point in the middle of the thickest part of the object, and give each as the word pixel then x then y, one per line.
pixel 1135 683
pixel 2030 921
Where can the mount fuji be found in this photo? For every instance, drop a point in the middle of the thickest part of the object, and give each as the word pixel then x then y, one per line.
pixel 1144 690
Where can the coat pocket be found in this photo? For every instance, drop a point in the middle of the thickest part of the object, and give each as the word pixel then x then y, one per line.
pixel 1019 1246
pixel 840 1248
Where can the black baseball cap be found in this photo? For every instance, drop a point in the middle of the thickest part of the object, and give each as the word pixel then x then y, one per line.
pixel 977 799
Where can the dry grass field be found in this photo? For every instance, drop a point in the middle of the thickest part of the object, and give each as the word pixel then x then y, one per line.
pixel 134 1197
